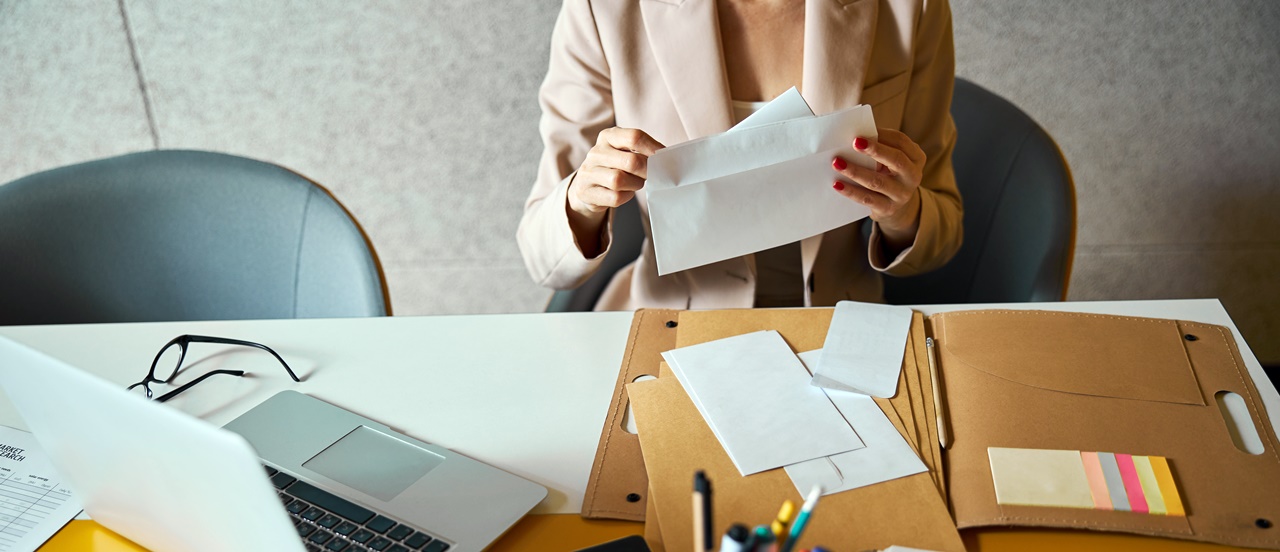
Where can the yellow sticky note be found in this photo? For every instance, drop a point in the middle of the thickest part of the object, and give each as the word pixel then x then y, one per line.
pixel 1150 487
pixel 1168 489
pixel 1036 477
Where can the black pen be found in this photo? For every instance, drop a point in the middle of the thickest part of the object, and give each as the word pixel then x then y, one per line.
pixel 702 491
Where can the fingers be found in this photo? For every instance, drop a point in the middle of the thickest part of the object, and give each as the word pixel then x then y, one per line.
pixel 612 172
pixel 891 157
pixel 625 161
pixel 599 198
pixel 873 180
pixel 904 143
pixel 599 188
pixel 877 202
pixel 629 139
pixel 610 178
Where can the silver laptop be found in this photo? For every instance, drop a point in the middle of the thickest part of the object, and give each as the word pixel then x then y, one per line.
pixel 333 480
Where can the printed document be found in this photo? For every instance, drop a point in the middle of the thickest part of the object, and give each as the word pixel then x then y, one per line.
pixel 34 504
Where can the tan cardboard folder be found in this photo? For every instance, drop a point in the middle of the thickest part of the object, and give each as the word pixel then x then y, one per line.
pixel 618 487
pixel 1033 379
pixel 1054 380
pixel 676 442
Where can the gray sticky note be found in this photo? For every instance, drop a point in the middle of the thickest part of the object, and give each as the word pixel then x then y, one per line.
pixel 1115 485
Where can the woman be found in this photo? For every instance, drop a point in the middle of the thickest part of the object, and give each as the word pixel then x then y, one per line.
pixel 627 76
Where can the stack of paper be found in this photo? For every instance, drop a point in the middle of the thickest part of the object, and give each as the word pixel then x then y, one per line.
pixel 755 395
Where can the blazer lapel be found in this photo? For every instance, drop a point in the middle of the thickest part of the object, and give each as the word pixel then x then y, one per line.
pixel 685 38
pixel 837 50
pixel 838 36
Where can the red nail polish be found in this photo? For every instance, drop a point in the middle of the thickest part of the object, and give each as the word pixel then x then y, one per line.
pixel 860 144
pixel 839 186
pixel 839 164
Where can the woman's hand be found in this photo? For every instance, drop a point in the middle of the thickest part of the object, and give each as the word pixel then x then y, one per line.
pixel 615 168
pixel 892 191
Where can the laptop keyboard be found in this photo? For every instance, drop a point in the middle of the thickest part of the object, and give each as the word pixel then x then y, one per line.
pixel 327 522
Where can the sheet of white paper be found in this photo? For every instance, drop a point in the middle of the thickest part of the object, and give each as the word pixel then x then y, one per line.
pixel 887 455
pixel 751 189
pixel 788 105
pixel 754 393
pixel 33 502
pixel 864 348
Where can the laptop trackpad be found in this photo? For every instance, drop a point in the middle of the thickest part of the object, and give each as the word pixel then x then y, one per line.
pixel 374 463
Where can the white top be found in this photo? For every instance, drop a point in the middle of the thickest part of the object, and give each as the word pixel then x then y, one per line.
pixel 779 276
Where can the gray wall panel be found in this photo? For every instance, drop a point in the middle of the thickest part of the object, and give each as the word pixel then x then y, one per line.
pixel 422 117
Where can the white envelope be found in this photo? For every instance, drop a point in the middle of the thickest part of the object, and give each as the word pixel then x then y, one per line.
pixel 755 396
pixel 886 455
pixel 752 189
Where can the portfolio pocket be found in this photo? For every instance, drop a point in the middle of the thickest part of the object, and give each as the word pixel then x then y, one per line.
pixel 1084 354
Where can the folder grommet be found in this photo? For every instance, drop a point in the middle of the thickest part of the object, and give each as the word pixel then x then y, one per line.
pixel 1263 523
pixel 1190 337
pixel 671 323
pixel 633 497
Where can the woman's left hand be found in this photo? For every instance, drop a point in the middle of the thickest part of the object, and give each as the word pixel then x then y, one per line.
pixel 892 190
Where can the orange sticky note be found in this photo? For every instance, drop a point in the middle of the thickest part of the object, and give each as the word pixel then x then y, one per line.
pixel 1097 481
pixel 1168 488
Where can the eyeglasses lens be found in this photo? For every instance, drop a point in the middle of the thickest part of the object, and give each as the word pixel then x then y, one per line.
pixel 167 363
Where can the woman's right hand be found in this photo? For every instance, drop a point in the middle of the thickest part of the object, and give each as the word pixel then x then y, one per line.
pixel 615 168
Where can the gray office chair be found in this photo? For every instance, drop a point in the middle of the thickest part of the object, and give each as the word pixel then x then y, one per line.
pixel 180 235
pixel 1019 217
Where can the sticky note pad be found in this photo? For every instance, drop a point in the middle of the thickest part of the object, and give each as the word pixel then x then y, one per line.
pixel 1097 481
pixel 1150 488
pixel 1035 477
pixel 1115 483
pixel 1168 489
pixel 1129 474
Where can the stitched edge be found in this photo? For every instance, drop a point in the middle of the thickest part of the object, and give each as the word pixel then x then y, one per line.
pixel 1054 313
pixel 1078 524
pixel 613 416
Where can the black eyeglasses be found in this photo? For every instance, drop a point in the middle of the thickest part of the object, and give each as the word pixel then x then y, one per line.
pixel 169 359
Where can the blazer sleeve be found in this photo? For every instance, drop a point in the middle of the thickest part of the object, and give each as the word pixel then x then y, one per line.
pixel 577 103
pixel 927 120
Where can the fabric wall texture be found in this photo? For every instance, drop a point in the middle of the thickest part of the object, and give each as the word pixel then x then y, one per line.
pixel 422 118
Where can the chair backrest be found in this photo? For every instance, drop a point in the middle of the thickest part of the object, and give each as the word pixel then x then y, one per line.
pixel 628 238
pixel 180 235
pixel 1019 219
pixel 1019 211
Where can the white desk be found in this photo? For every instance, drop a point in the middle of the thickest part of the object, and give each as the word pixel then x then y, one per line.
pixel 525 392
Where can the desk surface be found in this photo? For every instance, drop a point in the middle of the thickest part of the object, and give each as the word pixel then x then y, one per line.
pixel 525 392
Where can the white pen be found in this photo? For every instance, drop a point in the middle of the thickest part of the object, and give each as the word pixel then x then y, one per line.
pixel 938 414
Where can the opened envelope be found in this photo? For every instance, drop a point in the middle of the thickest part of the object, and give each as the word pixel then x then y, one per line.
pixel 752 189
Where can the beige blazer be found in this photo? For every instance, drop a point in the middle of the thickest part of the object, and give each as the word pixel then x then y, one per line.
pixel 657 65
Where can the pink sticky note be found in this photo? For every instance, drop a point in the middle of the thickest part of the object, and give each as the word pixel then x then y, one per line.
pixel 1097 481
pixel 1132 485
